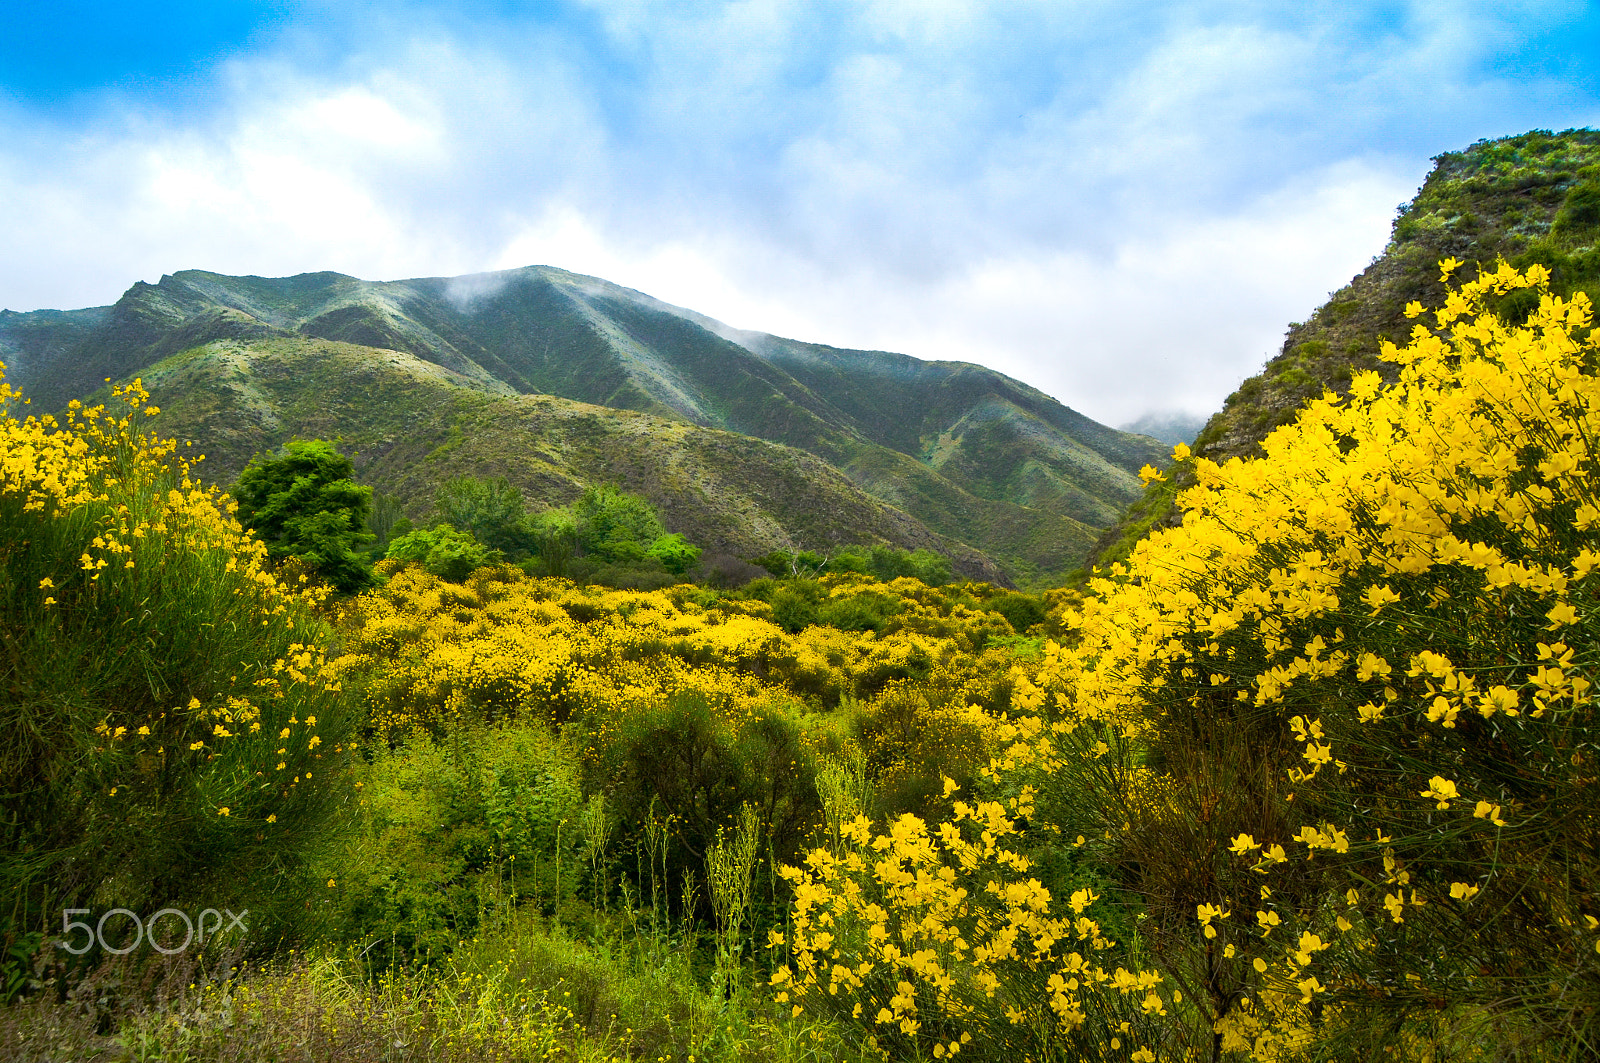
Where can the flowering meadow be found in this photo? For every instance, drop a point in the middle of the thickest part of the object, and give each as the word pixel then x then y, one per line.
pixel 1311 776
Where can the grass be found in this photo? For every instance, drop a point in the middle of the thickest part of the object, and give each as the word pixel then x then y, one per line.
pixel 527 989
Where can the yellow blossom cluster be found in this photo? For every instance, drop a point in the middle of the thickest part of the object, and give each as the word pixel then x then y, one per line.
pixel 1371 649
pixel 930 937
pixel 426 652
pixel 114 527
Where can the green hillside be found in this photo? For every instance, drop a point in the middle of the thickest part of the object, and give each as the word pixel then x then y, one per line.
pixel 970 453
pixel 409 424
pixel 1528 198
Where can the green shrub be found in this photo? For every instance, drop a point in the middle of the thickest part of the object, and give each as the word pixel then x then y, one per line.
pixel 1022 611
pixel 867 611
pixel 1580 213
pixel 676 554
pixel 614 524
pixel 304 503
pixel 794 604
pixel 442 550
pixel 687 764
pixel 490 510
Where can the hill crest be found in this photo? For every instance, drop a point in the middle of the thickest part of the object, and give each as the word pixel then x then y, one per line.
pixel 970 453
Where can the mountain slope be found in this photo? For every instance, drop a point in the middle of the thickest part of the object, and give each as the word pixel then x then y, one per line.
pixel 969 452
pixel 409 424
pixel 1528 198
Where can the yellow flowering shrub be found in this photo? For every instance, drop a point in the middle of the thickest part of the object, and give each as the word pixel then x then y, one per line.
pixel 431 653
pixel 1332 737
pixel 428 652
pixel 170 721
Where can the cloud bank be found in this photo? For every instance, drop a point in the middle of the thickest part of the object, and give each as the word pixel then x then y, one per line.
pixel 1120 204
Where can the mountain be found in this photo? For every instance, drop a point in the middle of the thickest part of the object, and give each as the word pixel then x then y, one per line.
pixel 1529 198
pixel 968 454
pixel 409 424
pixel 1169 428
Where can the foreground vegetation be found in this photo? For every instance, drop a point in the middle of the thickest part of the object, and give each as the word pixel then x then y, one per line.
pixel 1309 777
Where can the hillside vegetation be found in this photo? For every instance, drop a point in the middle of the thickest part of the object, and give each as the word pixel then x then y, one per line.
pixel 409 426
pixel 1309 777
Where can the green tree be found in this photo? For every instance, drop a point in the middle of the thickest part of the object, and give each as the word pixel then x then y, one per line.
pixel 614 524
pixel 304 502
pixel 491 509
pixel 385 517
pixel 676 554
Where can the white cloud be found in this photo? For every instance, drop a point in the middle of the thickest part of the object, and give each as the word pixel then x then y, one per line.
pixel 1120 204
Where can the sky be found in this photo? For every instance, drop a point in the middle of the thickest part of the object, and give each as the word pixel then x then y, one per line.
pixel 1122 204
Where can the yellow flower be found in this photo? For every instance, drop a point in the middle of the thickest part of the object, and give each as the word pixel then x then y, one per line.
pixel 1562 614
pixel 1377 597
pixel 223 811
pixel 1442 790
pixel 1490 812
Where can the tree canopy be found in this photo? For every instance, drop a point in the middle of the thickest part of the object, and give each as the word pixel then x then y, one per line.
pixel 303 502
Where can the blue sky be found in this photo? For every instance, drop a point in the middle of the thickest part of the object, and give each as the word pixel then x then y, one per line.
pixel 1121 203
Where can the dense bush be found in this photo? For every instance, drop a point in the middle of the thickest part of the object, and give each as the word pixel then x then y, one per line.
pixel 490 510
pixel 442 550
pixel 697 768
pixel 171 734
pixel 304 503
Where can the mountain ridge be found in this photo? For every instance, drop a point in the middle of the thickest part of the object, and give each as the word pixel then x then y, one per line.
pixel 973 455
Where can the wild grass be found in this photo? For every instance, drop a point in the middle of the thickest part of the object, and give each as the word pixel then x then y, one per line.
pixel 526 988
